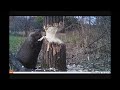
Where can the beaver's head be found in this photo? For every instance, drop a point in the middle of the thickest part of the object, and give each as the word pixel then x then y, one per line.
pixel 33 38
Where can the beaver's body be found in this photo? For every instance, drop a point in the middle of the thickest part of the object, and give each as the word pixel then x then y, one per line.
pixel 29 51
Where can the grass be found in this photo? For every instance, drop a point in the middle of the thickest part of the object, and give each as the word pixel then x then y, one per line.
pixel 15 42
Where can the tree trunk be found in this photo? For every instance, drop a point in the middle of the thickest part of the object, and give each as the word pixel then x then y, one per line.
pixel 55 57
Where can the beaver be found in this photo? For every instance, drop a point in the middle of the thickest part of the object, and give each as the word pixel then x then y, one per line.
pixel 30 49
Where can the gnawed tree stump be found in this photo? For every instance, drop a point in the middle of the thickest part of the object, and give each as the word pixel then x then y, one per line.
pixel 54 50
pixel 55 57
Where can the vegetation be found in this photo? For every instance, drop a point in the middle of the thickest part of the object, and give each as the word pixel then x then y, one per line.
pixel 24 24
pixel 15 43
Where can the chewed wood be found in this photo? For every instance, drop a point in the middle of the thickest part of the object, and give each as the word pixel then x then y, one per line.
pixel 55 57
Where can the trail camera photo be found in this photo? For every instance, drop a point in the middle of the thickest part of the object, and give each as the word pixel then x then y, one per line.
pixel 66 44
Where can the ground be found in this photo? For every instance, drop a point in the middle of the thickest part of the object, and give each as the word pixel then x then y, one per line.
pixel 76 62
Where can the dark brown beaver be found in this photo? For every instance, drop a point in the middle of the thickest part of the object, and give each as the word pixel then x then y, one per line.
pixel 30 49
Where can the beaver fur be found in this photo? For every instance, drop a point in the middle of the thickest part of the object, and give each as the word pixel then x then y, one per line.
pixel 30 49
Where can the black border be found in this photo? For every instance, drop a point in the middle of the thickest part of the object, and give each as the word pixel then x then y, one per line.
pixel 60 76
pixel 4 40
pixel 62 13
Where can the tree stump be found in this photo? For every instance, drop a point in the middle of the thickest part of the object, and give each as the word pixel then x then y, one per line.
pixel 54 50
pixel 55 57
